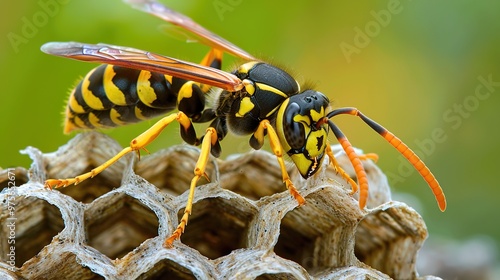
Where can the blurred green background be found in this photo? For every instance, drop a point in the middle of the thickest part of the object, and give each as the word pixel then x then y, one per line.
pixel 413 66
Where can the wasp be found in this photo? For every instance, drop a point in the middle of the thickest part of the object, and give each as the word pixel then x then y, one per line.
pixel 256 99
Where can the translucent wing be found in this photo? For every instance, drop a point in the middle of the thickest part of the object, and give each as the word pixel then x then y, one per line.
pixel 207 37
pixel 143 60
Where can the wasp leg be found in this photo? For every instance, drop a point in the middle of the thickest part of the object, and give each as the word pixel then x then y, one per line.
pixel 339 170
pixel 258 136
pixel 209 140
pixel 138 143
pixel 213 59
pixel 356 163
pixel 372 156
pixel 58 183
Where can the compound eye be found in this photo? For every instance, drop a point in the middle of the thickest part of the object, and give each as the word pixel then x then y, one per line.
pixel 294 131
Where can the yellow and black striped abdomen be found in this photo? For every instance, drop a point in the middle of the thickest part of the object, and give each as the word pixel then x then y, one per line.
pixel 112 96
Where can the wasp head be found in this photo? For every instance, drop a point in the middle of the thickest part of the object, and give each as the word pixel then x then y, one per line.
pixel 302 128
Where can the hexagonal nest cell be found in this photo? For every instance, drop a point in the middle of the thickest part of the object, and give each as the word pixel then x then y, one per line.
pixel 244 225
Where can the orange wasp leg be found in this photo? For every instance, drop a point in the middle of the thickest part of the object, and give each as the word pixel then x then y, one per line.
pixel 213 59
pixel 138 143
pixel 209 140
pixel 368 156
pixel 258 136
pixel 356 163
pixel 417 163
pixel 339 170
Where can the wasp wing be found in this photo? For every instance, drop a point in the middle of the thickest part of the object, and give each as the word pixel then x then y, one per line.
pixel 207 37
pixel 143 60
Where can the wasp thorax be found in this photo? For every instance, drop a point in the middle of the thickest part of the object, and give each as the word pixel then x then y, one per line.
pixel 266 87
pixel 303 131
pixel 268 77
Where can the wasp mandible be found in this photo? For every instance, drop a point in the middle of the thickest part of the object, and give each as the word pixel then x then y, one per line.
pixel 256 99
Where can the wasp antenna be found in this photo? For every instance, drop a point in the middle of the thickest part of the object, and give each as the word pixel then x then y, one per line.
pixel 417 163
pixel 356 163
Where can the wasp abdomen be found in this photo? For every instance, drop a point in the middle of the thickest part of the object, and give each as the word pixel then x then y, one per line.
pixel 114 96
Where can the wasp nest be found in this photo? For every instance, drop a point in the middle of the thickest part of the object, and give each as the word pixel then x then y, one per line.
pixel 245 225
